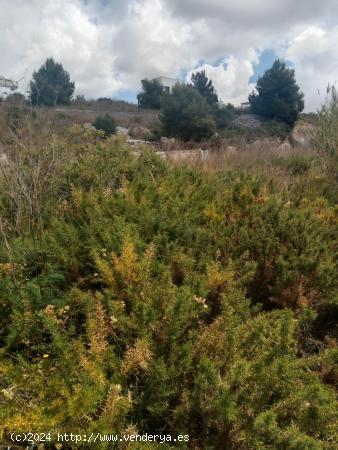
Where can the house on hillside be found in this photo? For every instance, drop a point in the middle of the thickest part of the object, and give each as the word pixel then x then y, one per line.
pixel 167 82
pixel 7 83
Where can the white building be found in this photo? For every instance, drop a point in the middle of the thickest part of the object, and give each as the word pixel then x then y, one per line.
pixel 6 83
pixel 167 82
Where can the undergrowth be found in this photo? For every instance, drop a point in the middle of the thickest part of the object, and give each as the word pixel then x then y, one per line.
pixel 142 297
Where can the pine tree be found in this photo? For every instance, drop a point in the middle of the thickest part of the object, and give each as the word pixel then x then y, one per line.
pixel 204 86
pixel 150 97
pixel 51 85
pixel 279 96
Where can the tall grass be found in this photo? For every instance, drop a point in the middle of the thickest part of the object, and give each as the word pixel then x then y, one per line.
pixel 325 135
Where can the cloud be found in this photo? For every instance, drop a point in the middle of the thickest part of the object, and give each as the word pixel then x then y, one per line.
pixel 276 14
pixel 57 28
pixel 314 54
pixel 108 46
pixel 151 43
pixel 230 78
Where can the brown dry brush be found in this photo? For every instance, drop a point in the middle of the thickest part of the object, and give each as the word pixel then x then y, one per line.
pixel 33 157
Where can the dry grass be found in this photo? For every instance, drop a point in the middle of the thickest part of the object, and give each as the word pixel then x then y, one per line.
pixel 278 164
pixel 125 114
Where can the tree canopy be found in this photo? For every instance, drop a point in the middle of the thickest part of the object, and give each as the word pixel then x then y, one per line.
pixel 51 85
pixel 150 97
pixel 278 95
pixel 204 86
pixel 186 114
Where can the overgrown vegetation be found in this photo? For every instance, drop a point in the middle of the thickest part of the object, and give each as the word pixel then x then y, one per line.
pixel 139 296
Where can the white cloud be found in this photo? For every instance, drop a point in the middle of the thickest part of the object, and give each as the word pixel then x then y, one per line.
pixel 57 28
pixel 108 45
pixel 151 43
pixel 230 78
pixel 314 53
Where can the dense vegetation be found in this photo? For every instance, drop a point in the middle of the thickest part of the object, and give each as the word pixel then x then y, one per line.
pixel 193 111
pixel 143 297
pixel 186 114
pixel 51 85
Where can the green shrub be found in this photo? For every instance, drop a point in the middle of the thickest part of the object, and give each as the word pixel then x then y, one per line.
pixel 186 114
pixel 105 123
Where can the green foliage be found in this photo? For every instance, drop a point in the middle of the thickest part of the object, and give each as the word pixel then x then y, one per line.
pixel 151 95
pixel 166 298
pixel 186 114
pixel 106 124
pixel 51 85
pixel 278 96
pixel 224 115
pixel 204 86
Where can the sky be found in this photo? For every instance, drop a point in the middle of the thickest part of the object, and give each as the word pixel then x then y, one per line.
pixel 108 46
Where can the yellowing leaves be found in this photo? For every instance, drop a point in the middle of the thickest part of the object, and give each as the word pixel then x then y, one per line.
pixel 218 277
pixel 5 269
pixel 105 270
pixel 126 264
pixel 137 357
pixel 97 328
pixel 94 371
pixel 211 214
pixel 246 194
pixel 263 195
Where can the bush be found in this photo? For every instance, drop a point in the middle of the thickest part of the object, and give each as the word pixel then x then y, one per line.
pixel 186 114
pixel 278 96
pixel 105 123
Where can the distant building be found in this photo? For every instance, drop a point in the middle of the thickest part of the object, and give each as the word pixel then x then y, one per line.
pixel 167 82
pixel 6 83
